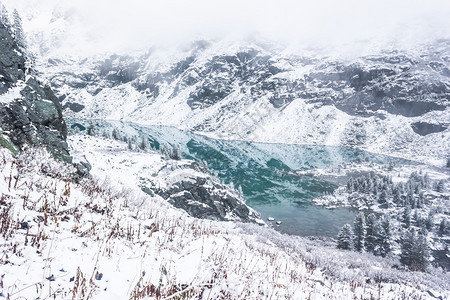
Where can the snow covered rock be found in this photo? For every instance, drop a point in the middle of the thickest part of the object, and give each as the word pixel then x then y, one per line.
pixel 30 113
pixel 12 62
pixel 192 189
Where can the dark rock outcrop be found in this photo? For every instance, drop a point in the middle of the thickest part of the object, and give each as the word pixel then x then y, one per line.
pixel 203 201
pixel 202 197
pixel 35 117
pixel 424 128
pixel 12 62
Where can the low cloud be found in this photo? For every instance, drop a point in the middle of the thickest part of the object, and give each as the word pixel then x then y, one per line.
pixel 120 24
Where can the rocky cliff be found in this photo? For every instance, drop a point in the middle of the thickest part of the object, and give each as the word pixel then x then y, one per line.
pixel 12 62
pixel 30 113
pixel 192 188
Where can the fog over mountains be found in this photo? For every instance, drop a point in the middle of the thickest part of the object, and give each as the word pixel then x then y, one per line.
pixel 352 26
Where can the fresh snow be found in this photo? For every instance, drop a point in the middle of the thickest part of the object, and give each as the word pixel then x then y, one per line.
pixel 12 94
pixel 105 239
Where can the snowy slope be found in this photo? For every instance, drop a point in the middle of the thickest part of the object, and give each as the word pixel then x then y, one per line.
pixel 105 239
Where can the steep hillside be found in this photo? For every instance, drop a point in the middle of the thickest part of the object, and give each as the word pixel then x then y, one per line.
pixel 30 113
pixel 90 240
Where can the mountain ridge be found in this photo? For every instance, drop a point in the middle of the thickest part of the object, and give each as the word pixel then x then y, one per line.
pixel 248 92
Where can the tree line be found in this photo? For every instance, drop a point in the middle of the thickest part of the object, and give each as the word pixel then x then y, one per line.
pixel 375 234
pixel 14 25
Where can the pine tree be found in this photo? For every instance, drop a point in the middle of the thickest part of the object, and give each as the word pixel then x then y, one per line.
pixel 417 189
pixel 359 228
pixel 143 145
pixel 176 153
pixel 417 219
pixel 397 196
pixel 115 134
pixel 378 234
pixel 165 151
pixel 414 251
pixel 350 186
pixel 371 234
pixel 443 227
pixel 369 187
pixel 421 254
pixel 412 202
pixel 383 197
pixel 421 200
pixel 406 246
pixel 385 236
pixel 19 34
pixel 410 198
pixel 4 17
pixel 440 187
pixel 407 217
pixel 375 190
pixel 345 238
pixel 426 181
pixel 429 221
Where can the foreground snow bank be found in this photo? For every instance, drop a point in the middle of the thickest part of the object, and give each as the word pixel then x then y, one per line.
pixel 106 239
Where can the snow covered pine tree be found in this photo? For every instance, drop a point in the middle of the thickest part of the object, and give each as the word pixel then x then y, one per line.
pixel 4 17
pixel 359 232
pixel 345 238
pixel 371 234
pixel 414 251
pixel 19 34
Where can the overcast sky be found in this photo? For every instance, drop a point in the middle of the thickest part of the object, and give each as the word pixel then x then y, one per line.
pixel 138 23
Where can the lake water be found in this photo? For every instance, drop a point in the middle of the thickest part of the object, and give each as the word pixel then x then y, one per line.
pixel 266 173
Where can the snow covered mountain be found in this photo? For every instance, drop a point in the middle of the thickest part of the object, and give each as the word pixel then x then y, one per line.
pixel 390 99
pixel 392 102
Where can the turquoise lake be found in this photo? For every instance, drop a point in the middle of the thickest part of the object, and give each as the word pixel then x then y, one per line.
pixel 265 172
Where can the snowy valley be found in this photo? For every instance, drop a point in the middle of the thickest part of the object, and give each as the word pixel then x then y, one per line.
pixel 218 168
